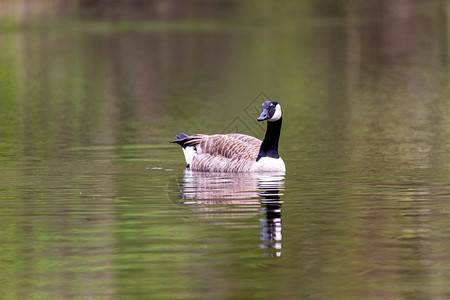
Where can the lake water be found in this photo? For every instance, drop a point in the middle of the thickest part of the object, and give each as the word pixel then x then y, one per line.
pixel 95 204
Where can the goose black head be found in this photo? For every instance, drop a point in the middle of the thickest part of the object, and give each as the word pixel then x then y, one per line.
pixel 271 111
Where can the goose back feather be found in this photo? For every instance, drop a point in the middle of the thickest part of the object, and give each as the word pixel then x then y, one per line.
pixel 223 152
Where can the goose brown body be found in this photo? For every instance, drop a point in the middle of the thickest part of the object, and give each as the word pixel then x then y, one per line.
pixel 224 152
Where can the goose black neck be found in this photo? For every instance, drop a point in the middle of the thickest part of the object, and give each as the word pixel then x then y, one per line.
pixel 269 146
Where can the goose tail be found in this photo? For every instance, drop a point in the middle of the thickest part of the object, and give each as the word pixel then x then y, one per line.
pixel 180 139
pixel 188 151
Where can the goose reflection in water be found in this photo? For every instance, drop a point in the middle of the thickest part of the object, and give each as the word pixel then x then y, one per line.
pixel 229 199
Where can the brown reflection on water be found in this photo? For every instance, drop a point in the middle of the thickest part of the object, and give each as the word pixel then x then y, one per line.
pixel 397 33
pixel 165 74
pixel 397 64
pixel 136 10
pixel 156 9
pixel 226 198
pixel 397 57
pixel 113 89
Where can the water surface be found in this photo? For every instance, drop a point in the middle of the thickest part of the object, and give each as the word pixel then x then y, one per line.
pixel 96 204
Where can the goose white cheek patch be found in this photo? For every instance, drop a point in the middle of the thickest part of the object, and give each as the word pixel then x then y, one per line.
pixel 277 115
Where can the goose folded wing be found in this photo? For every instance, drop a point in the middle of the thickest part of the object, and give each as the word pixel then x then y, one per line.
pixel 226 145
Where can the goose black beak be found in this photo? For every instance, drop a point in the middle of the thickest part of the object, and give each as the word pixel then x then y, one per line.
pixel 264 115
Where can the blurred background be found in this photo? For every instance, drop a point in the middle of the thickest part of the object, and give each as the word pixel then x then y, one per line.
pixel 126 62
pixel 91 91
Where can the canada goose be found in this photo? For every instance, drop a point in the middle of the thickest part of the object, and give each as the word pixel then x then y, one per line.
pixel 236 152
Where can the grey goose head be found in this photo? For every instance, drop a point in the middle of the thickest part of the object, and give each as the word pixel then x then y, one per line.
pixel 271 111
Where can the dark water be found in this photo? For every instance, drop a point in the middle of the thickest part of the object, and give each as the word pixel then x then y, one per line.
pixel 96 204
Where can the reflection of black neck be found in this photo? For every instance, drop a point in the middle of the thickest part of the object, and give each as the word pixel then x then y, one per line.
pixel 271 226
pixel 269 147
pixel 273 211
